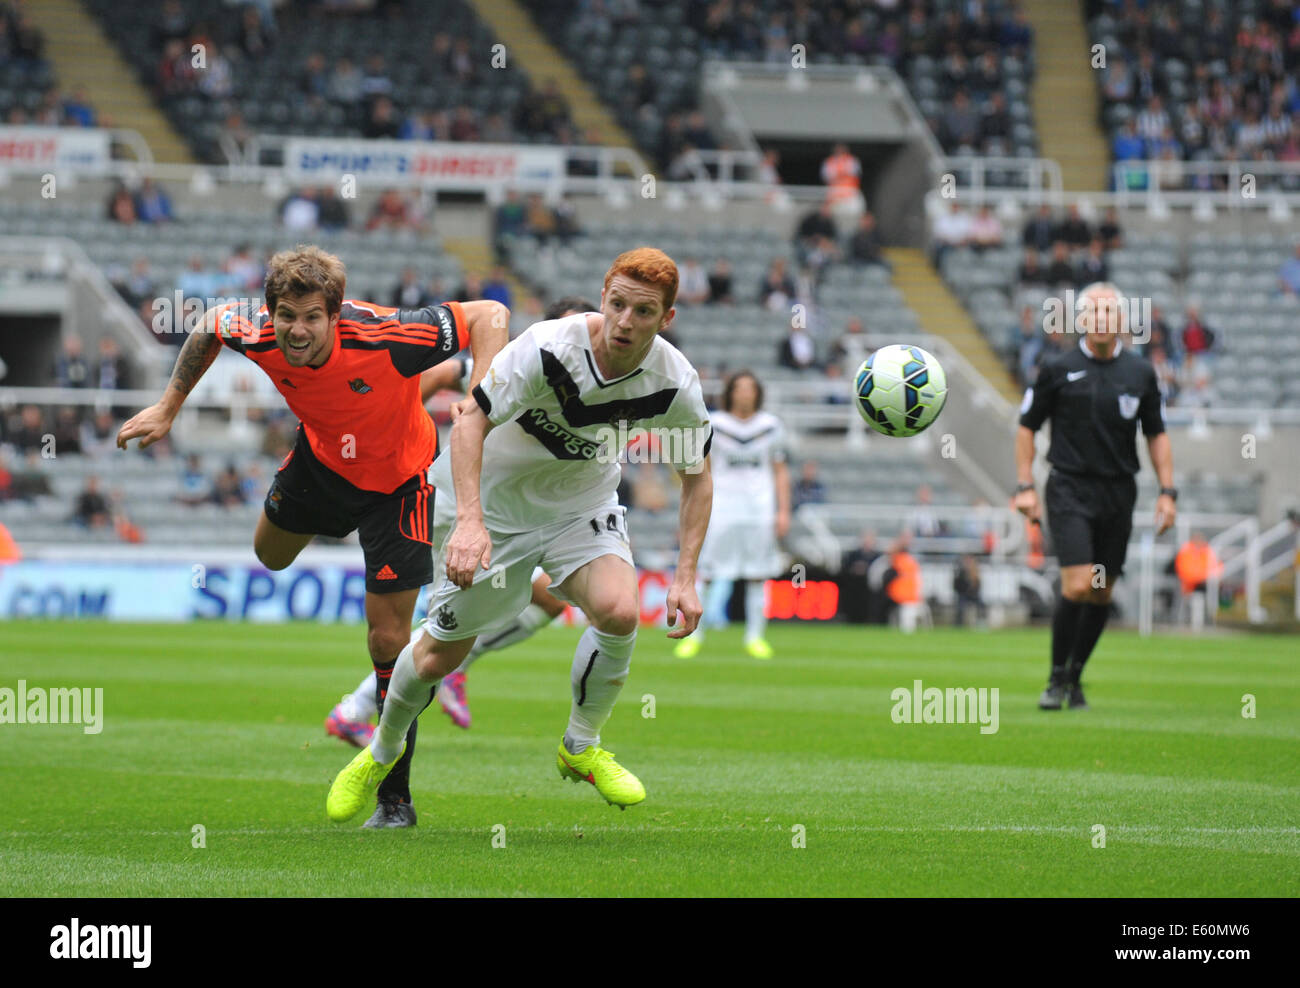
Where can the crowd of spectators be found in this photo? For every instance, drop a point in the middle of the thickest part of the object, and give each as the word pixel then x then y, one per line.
pixel 1064 252
pixel 962 50
pixel 22 43
pixel 149 203
pixel 33 436
pixel 55 109
pixel 196 59
pixel 894 31
pixel 22 50
pixel 1183 359
pixel 240 274
pixel 532 216
pixel 108 369
pixel 229 487
pixel 30 436
pixel 1225 88
pixel 966 45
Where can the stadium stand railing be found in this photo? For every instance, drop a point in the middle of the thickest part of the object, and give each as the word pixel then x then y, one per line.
pixel 1229 184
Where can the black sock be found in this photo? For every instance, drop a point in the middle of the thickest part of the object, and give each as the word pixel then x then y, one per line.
pixel 383 676
pixel 1065 631
pixel 396 787
pixel 1090 628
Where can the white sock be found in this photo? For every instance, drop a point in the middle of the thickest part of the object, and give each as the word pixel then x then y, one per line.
pixel 755 619
pixel 600 667
pixel 530 620
pixel 360 703
pixel 408 695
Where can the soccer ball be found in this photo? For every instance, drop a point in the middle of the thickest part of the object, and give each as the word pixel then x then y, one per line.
pixel 900 390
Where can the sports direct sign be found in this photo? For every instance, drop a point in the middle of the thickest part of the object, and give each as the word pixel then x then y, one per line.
pixel 51 149
pixel 448 165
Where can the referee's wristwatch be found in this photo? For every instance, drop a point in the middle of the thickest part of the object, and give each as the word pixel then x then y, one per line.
pixel 1021 488
pixel 1169 492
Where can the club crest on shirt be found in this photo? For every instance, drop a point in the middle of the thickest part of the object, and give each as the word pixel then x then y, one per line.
pixel 359 386
pixel 1128 405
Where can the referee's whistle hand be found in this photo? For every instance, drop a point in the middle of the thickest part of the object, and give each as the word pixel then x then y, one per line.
pixel 1166 513
pixel 1026 502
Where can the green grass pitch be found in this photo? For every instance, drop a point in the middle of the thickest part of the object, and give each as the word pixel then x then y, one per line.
pixel 220 725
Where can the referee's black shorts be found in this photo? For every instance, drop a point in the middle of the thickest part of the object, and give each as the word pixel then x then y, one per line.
pixel 309 498
pixel 1090 519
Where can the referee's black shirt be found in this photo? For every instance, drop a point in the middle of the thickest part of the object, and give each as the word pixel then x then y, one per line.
pixel 1095 406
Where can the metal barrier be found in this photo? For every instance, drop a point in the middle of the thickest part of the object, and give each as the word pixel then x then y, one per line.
pixel 1231 184
pixel 1006 526
pixel 1249 561
pixel 1040 175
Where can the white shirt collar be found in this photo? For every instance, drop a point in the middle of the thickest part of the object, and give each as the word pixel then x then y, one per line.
pixel 1083 345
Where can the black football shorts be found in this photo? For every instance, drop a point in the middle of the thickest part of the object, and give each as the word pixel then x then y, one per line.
pixel 1090 519
pixel 308 497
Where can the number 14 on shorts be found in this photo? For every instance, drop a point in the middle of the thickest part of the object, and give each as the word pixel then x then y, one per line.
pixel 612 522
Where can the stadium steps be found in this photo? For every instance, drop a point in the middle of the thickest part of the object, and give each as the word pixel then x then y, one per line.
pixel 529 49
pixel 1064 97
pixel 475 254
pixel 82 54
pixel 941 314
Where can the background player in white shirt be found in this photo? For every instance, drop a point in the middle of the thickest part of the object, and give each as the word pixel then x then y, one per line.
pixel 540 433
pixel 751 494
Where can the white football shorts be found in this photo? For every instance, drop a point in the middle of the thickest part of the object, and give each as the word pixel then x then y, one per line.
pixel 499 593
pixel 740 550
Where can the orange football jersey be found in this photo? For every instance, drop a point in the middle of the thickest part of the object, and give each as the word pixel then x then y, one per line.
pixel 361 409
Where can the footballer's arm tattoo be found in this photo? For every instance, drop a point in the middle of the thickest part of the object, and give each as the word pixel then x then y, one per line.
pixel 196 356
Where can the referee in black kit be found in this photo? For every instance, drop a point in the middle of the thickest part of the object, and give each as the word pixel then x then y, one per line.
pixel 1095 395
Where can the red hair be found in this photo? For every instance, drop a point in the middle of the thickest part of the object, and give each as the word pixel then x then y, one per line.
pixel 650 266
